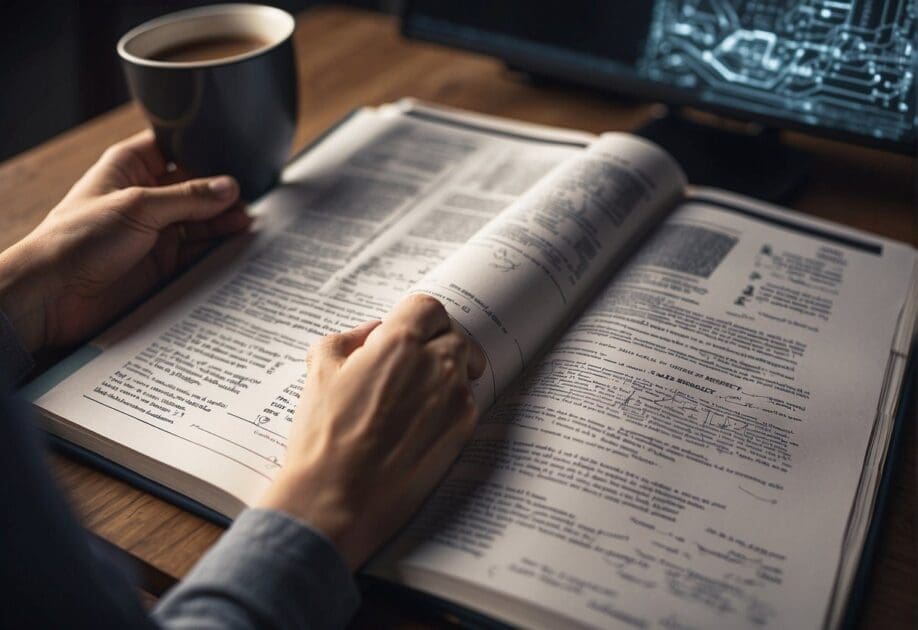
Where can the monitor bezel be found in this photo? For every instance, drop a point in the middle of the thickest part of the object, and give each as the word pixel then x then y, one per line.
pixel 633 86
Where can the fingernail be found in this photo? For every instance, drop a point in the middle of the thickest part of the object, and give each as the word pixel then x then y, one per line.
pixel 223 187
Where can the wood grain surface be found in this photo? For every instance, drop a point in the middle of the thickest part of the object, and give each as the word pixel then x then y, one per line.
pixel 347 59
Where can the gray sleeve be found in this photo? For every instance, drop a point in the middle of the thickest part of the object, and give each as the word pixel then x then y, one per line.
pixel 18 361
pixel 267 571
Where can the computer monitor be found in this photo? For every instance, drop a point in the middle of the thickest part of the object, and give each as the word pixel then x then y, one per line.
pixel 844 69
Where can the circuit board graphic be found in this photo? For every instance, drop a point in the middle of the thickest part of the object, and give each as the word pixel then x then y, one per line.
pixel 842 64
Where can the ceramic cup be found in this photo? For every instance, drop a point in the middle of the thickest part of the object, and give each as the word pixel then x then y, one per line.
pixel 231 115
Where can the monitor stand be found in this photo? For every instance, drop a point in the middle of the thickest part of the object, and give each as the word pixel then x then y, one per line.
pixel 755 164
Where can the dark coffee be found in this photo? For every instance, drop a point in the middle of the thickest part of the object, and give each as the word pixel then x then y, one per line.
pixel 209 49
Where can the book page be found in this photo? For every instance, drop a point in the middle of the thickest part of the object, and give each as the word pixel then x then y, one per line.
pixel 202 382
pixel 520 277
pixel 688 454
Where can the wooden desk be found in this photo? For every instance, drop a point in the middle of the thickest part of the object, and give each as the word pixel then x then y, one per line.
pixel 348 59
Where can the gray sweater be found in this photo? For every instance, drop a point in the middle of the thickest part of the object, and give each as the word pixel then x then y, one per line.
pixel 267 571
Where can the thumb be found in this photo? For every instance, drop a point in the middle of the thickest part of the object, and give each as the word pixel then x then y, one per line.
pixel 192 200
pixel 334 349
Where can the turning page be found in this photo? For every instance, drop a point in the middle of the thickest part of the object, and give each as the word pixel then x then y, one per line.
pixel 525 273
pixel 688 454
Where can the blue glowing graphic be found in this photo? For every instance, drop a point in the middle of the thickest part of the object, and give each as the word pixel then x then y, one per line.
pixel 847 65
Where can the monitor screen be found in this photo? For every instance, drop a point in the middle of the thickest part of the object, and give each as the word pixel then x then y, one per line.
pixel 844 69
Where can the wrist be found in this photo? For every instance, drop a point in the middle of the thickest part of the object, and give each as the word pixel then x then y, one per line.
pixel 311 502
pixel 24 293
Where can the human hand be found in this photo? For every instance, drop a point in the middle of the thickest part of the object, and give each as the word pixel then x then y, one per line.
pixel 385 410
pixel 125 227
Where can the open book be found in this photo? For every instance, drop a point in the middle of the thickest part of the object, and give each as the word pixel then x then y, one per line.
pixel 689 396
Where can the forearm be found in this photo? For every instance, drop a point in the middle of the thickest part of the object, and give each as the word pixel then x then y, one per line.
pixel 16 357
pixel 23 293
pixel 268 571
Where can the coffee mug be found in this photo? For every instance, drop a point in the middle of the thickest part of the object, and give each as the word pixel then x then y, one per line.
pixel 218 85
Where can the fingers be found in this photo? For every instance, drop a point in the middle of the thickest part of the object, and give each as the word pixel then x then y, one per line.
pixel 443 423
pixel 180 245
pixel 449 370
pixel 421 318
pixel 135 161
pixel 230 221
pixel 477 361
pixel 447 400
pixel 332 350
pixel 173 175
pixel 419 315
pixel 443 439
pixel 193 200
pixel 439 395
pixel 141 147
pixel 451 353
pixel 190 253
